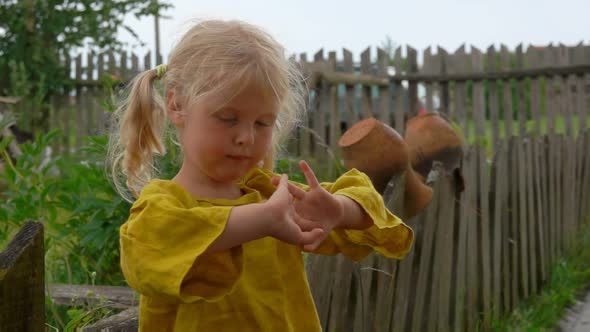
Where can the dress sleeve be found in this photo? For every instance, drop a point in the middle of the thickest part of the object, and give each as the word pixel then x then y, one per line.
pixel 388 235
pixel 162 246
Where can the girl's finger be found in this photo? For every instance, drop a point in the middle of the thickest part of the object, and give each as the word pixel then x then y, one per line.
pixel 275 180
pixel 312 246
pixel 310 177
pixel 311 237
pixel 282 183
pixel 297 192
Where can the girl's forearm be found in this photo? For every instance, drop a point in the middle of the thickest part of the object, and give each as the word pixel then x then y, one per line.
pixel 245 223
pixel 353 215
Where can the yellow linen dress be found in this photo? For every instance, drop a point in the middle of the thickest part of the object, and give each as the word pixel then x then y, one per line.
pixel 258 286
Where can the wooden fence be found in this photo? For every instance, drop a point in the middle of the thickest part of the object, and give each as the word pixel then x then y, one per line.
pixel 476 254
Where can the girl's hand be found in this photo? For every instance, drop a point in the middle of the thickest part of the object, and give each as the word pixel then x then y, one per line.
pixel 316 206
pixel 285 223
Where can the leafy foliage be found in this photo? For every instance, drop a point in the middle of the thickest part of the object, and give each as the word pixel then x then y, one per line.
pixel 35 33
pixel 72 197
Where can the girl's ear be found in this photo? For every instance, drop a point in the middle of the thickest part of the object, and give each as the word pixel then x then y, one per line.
pixel 173 109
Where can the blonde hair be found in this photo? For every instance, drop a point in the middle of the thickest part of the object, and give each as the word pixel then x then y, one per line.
pixel 214 56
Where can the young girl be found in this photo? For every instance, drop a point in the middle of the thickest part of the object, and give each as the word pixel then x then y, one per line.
pixel 218 247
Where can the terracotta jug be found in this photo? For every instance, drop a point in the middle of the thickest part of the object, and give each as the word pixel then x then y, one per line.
pixel 376 149
pixel 430 138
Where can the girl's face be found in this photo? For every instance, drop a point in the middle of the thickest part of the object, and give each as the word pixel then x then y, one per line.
pixel 220 146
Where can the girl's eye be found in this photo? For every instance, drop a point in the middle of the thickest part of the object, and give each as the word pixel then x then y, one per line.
pixel 228 119
pixel 262 124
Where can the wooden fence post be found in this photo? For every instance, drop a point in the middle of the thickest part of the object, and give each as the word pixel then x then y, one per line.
pixel 22 296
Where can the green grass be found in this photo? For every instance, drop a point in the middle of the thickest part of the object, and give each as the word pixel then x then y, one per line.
pixel 570 278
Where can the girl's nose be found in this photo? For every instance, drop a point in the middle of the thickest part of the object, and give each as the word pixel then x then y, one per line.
pixel 245 136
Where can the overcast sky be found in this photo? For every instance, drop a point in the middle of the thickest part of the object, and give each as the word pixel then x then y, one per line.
pixel 308 25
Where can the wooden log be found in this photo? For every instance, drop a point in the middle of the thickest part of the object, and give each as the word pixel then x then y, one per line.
pixel 22 302
pixel 378 150
pixel 110 296
pixel 125 321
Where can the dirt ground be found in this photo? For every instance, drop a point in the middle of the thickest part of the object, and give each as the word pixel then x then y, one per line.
pixel 577 317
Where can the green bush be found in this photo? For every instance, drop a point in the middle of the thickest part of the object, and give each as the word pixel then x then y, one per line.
pixel 76 203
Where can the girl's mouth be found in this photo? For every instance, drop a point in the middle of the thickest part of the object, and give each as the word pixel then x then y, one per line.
pixel 239 158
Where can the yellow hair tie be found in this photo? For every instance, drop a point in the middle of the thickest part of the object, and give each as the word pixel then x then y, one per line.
pixel 161 70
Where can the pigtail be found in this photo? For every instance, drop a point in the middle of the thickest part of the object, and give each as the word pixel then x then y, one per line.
pixel 141 124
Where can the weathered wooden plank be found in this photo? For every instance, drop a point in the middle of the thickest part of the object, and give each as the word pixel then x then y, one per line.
pixel 79 112
pixel 568 105
pixel 90 94
pixel 125 321
pixel 462 303
pixel 402 290
pixel 585 95
pixel 367 296
pixel 506 240
pixel 366 95
pixel 334 119
pixel 304 134
pixel 461 108
pixel 399 93
pixel 352 115
pixel 533 61
pixel 423 310
pixel 428 68
pixel 108 296
pixel 522 217
pixel 586 176
pixel 446 240
pixel 580 129
pixel 539 222
pixel 147 61
pixel 341 312
pixel 385 294
pixel 384 110
pixel 514 238
pixel 320 112
pixel 134 65
pixel 569 186
pixel 552 86
pixel 542 161
pixel 558 177
pixel 320 283
pixel 460 65
pixel 473 252
pixel 412 60
pixel 506 93
pixel 478 107
pixel 533 220
pixel 493 95
pixel 498 171
pixel 22 302
pixel 552 194
pixel 444 95
pixel 520 94
pixel 485 236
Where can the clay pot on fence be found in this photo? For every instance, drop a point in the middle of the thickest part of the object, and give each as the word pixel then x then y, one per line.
pixel 430 138
pixel 379 151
